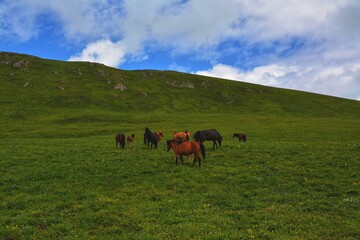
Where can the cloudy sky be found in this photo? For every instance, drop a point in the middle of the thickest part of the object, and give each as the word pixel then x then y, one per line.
pixel 309 45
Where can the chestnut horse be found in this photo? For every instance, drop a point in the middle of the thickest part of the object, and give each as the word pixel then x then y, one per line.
pixel 186 148
pixel 120 138
pixel 159 135
pixel 131 139
pixel 184 136
pixel 241 136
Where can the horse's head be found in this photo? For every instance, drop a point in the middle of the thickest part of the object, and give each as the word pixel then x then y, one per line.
pixel 187 132
pixel 220 140
pixel 234 135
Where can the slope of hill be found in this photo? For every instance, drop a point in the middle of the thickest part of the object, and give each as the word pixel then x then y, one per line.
pixel 30 86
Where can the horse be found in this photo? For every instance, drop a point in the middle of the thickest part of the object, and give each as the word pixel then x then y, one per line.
pixel 209 135
pixel 150 138
pixel 159 135
pixel 184 136
pixel 131 139
pixel 186 148
pixel 241 136
pixel 120 138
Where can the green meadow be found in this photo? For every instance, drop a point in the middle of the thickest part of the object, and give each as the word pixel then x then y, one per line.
pixel 61 177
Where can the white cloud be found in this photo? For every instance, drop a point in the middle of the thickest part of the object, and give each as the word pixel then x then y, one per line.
pixel 176 67
pixel 104 51
pixel 341 81
pixel 18 20
pixel 183 25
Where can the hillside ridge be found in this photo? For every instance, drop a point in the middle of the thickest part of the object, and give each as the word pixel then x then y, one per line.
pixel 44 85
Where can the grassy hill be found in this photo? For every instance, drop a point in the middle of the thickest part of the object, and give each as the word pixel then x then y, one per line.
pixel 297 176
pixel 30 83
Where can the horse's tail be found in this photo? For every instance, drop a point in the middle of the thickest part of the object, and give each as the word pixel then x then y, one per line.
pixel 202 149
pixel 156 141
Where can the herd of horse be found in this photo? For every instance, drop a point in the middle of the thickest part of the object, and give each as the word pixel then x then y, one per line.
pixel 181 144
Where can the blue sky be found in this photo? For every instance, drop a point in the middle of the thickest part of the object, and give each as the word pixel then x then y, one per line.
pixel 308 45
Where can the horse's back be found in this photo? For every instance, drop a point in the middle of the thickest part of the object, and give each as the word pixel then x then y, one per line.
pixel 187 148
pixel 120 136
pixel 207 134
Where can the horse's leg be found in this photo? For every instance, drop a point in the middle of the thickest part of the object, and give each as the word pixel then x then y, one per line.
pixel 195 158
pixel 194 161
pixel 181 157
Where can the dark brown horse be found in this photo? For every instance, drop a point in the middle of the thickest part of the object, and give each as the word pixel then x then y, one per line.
pixel 209 135
pixel 186 148
pixel 241 136
pixel 131 139
pixel 120 138
pixel 150 138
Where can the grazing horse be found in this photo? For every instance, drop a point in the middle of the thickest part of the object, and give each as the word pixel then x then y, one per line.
pixel 150 138
pixel 120 138
pixel 159 135
pixel 241 136
pixel 131 139
pixel 186 148
pixel 209 135
pixel 184 136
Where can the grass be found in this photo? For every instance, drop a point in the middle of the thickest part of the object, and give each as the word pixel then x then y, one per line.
pixel 297 176
pixel 275 186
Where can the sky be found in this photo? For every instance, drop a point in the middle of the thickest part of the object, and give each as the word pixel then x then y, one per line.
pixel 307 45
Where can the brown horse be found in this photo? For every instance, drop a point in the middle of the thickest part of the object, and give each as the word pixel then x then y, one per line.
pixel 131 139
pixel 184 136
pixel 120 138
pixel 186 148
pixel 241 136
pixel 159 135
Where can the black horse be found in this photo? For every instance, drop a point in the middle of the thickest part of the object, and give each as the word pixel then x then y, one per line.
pixel 209 135
pixel 120 138
pixel 150 138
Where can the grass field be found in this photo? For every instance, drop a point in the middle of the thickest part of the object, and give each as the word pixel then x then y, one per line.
pixel 297 176
pixel 292 179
